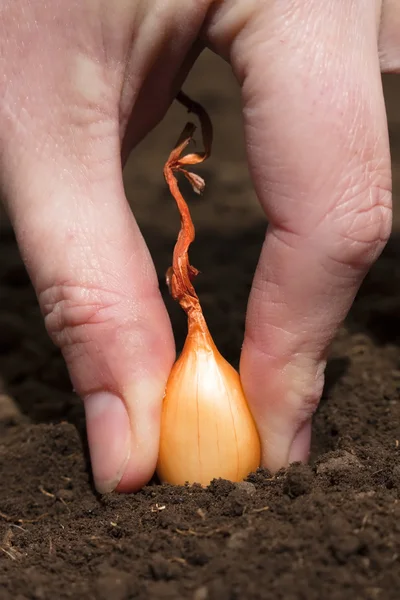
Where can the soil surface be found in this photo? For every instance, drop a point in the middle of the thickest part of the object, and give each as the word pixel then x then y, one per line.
pixel 330 529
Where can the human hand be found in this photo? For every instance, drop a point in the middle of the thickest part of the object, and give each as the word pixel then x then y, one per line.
pixel 83 82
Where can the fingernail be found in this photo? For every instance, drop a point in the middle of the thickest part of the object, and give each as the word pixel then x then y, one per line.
pixel 300 448
pixel 109 436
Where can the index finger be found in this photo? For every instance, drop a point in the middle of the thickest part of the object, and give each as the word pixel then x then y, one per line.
pixel 318 148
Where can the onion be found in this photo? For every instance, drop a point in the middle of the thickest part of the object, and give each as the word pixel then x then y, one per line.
pixel 207 430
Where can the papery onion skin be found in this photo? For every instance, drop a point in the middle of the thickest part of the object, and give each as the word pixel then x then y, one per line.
pixel 207 430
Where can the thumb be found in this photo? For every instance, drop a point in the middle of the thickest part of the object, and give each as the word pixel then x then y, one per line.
pixel 98 292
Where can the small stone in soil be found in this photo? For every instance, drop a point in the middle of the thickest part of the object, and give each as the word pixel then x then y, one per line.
pixel 247 487
pixel 340 463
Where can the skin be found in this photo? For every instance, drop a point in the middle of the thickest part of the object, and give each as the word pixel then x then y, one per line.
pixel 82 82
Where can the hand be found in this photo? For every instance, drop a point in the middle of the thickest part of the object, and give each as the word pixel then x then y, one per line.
pixel 84 81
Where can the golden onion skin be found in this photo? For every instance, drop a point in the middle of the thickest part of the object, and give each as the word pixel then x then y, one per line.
pixel 207 430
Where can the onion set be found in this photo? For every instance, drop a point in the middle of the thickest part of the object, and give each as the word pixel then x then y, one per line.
pixel 207 430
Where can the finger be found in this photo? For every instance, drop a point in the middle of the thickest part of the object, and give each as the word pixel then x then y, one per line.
pixel 98 291
pixel 317 141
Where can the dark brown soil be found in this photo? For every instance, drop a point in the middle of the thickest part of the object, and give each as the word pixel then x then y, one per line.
pixel 329 530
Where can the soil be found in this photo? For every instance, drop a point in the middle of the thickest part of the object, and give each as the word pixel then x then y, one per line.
pixel 330 529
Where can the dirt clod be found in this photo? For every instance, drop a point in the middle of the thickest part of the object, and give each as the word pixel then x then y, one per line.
pixel 298 480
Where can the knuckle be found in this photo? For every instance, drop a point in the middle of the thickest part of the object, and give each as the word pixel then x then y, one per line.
pixel 361 222
pixel 307 377
pixel 295 379
pixel 71 309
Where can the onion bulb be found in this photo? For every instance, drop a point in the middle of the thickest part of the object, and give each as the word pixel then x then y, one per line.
pixel 207 430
